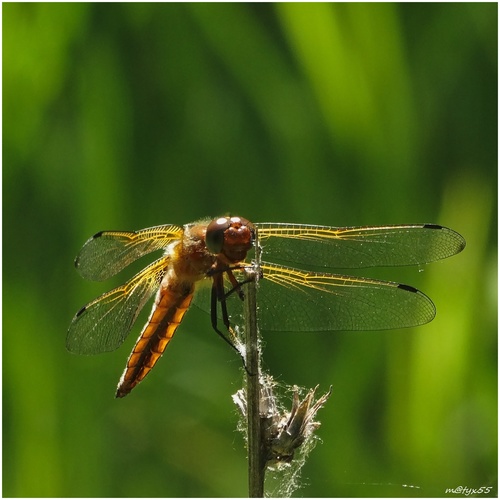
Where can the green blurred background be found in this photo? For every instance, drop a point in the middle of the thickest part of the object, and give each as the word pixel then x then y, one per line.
pixel 124 116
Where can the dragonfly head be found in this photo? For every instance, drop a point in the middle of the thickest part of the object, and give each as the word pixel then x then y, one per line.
pixel 232 237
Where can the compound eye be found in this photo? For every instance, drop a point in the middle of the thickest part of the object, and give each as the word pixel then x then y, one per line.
pixel 214 238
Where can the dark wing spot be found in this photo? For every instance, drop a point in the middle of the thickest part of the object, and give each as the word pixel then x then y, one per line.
pixel 408 288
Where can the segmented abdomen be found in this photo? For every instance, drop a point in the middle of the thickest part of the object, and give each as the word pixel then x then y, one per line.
pixel 168 311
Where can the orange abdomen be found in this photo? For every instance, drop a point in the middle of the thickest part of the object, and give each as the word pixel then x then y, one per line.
pixel 168 311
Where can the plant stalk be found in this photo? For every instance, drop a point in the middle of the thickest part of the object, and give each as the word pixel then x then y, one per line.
pixel 256 464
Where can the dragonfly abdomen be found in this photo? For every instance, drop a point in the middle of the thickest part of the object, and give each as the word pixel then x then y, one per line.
pixel 171 304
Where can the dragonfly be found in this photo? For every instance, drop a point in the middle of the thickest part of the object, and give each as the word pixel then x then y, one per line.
pixel 207 261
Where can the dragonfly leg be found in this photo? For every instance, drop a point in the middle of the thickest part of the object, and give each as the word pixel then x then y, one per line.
pixel 217 296
pixel 236 285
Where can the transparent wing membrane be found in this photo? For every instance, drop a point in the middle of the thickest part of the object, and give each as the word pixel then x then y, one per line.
pixel 103 324
pixel 357 247
pixel 108 252
pixel 292 300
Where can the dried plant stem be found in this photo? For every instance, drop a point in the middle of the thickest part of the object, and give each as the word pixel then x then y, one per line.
pixel 256 463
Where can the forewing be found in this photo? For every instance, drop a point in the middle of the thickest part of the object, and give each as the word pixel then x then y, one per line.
pixel 293 300
pixel 108 252
pixel 358 247
pixel 103 324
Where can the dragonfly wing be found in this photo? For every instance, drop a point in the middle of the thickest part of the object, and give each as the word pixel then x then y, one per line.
pixel 291 300
pixel 358 247
pixel 108 252
pixel 294 300
pixel 103 324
